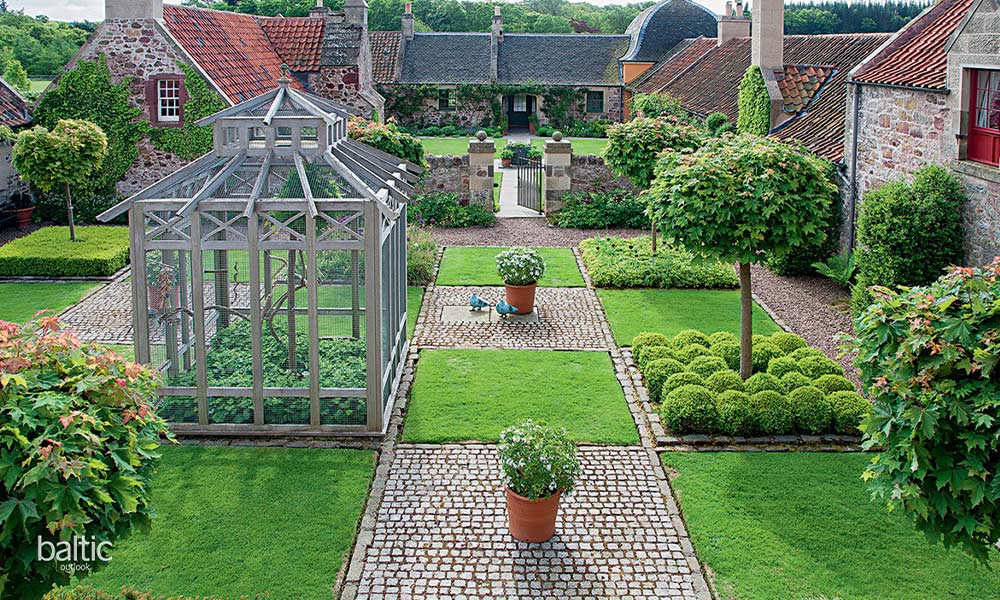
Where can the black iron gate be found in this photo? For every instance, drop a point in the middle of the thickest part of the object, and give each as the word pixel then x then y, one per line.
pixel 529 184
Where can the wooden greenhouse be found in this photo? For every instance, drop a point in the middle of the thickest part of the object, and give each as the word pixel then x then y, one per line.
pixel 269 276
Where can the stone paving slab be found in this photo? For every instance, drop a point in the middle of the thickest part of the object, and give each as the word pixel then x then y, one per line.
pixel 441 531
pixel 463 314
pixel 564 319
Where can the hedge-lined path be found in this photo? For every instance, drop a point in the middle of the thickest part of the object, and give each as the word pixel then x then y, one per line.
pixel 535 233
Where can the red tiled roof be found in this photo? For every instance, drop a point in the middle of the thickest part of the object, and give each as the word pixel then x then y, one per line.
pixel 230 48
pixel 385 55
pixel 297 40
pixel 799 84
pixel 13 107
pixel 916 57
pixel 681 57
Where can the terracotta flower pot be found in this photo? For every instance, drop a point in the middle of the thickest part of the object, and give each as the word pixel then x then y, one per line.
pixel 22 216
pixel 522 296
pixel 529 521
pixel 506 162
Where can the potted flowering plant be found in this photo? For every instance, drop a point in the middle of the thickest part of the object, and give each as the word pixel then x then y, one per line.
pixel 506 155
pixel 520 269
pixel 539 465
pixel 22 207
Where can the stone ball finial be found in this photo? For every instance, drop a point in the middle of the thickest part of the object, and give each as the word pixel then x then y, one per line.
pixel 481 135
pixel 557 136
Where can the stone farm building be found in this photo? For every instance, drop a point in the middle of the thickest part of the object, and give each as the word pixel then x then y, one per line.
pixel 14 114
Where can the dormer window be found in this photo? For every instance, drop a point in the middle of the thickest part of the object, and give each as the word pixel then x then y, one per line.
pixel 984 117
pixel 165 97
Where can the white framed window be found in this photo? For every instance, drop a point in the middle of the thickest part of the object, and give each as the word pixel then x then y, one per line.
pixel 168 100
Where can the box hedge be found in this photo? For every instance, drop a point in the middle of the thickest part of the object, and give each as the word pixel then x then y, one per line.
pixel 631 263
pixel 98 252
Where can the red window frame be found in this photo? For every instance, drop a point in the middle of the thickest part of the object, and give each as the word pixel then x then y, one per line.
pixel 153 99
pixel 984 116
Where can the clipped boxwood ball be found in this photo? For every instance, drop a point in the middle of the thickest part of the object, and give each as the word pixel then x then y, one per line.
pixel 648 354
pixel 788 342
pixel 783 365
pixel 721 381
pixel 817 366
pixel 801 353
pixel 810 410
pixel 833 383
pixel 648 338
pixel 729 352
pixel 794 380
pixel 762 355
pixel 657 372
pixel 773 412
pixel 706 365
pixel 736 414
pixel 759 382
pixel 679 380
pixel 722 336
pixel 849 409
pixel 690 409
pixel 759 338
pixel 688 353
pixel 691 336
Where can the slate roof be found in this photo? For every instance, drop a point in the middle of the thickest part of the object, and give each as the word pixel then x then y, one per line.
pixel 14 109
pixel 297 40
pixel 568 59
pixel 447 58
pixel 712 84
pixel 231 48
pixel 799 84
pixel 385 55
pixel 916 56
pixel 675 62
pixel 662 26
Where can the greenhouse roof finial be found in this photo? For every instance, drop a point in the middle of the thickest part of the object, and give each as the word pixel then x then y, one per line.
pixel 285 79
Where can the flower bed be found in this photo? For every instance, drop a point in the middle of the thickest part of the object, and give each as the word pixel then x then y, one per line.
pixel 445 210
pixel 693 380
pixel 99 251
pixel 630 263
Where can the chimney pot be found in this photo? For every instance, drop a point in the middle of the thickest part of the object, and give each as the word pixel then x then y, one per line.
pixel 739 8
pixel 729 8
pixel 408 9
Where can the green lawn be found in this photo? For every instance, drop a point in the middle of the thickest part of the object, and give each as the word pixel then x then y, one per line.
pixel 237 522
pixel 497 183
pixel 478 266
pixel 631 312
pixel 801 525
pixel 20 301
pixel 414 298
pixel 460 145
pixel 38 85
pixel 474 394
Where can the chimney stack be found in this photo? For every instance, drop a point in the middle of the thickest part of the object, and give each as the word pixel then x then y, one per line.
pixel 319 10
pixel 768 46
pixel 733 26
pixel 497 26
pixel 496 37
pixel 407 27
pixel 357 13
pixel 133 9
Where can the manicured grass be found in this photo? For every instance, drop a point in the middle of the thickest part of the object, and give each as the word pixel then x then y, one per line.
pixel 38 86
pixel 497 183
pixel 631 312
pixel 245 521
pixel 414 298
pixel 801 525
pixel 99 251
pixel 474 394
pixel 589 145
pixel 20 301
pixel 478 266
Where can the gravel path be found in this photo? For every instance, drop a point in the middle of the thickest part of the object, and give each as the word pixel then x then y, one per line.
pixel 523 232
pixel 805 303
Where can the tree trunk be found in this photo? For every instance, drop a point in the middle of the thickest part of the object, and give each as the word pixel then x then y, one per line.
pixel 653 228
pixel 746 322
pixel 69 215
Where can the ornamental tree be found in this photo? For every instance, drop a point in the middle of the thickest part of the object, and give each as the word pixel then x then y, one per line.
pixel 738 198
pixel 929 358
pixel 66 156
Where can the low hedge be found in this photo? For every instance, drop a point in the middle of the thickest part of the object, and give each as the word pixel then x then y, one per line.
pixel 630 263
pixel 801 391
pixel 99 251
pixel 602 210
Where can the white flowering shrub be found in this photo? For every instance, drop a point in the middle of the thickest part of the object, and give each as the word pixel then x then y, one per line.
pixel 537 461
pixel 520 266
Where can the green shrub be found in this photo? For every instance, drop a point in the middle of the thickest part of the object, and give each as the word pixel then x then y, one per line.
pixel 656 374
pixel 736 413
pixel 691 336
pixel 633 147
pixel 794 380
pixel 833 383
pixel 679 380
pixel 722 381
pixel 78 451
pixel 689 353
pixel 421 256
pixel 929 357
pixel 788 342
pixel 729 352
pixel 707 365
pixel 801 353
pixel 849 410
pixel 754 103
pixel 717 123
pixel 801 260
pixel 100 251
pixel 758 382
pixel 50 207
pixel 659 104
pixel 690 409
pixel 602 210
pixel 621 263
pixel 783 365
pixel 648 338
pixel 773 412
pixel 762 353
pixel 722 336
pixel 815 367
pixel 387 137
pixel 444 210
pixel 648 354
pixel 810 410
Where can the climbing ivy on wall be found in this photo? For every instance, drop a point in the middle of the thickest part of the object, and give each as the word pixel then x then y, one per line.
pixel 754 104
pixel 190 141
pixel 404 101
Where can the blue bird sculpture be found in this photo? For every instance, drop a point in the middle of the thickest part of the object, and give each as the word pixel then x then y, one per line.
pixel 478 303
pixel 505 310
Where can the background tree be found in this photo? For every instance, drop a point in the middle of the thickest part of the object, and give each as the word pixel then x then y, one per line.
pixel 737 198
pixel 66 155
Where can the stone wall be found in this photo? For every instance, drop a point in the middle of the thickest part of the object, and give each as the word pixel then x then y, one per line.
pixel 10 182
pixel 446 174
pixel 467 115
pixel 613 107
pixel 589 174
